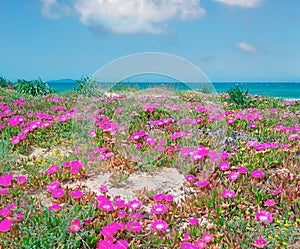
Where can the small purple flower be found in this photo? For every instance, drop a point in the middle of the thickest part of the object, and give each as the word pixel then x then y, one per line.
pixel 193 221
pixel 159 209
pixel 242 169
pixel 159 225
pixel 57 193
pixel 135 204
pixel 257 174
pixel 76 194
pixel 227 193
pixel 224 166
pixel 202 183
pixel 233 176
pixel 52 186
pixel 264 217
pixel 269 203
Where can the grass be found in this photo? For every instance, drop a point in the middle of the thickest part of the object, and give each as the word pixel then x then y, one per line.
pixel 254 202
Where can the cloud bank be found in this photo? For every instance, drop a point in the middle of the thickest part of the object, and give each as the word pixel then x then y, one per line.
pixel 246 47
pixel 125 17
pixel 241 3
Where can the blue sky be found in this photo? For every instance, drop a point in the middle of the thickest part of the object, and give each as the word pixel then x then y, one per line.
pixel 229 40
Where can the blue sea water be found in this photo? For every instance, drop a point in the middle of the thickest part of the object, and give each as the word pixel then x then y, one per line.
pixel 290 90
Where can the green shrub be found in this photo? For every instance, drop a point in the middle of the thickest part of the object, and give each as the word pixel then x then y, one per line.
pixel 239 98
pixel 4 82
pixel 88 88
pixel 33 87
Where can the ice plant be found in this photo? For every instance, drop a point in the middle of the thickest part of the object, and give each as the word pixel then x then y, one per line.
pixel 202 183
pixel 159 225
pixel 233 176
pixel 135 204
pixel 75 226
pixel 224 166
pixel 257 174
pixel 76 194
pixel 159 209
pixel 227 193
pixel 5 225
pixel 52 186
pixel 260 242
pixel 57 193
pixel 264 217
pixel 5 180
pixel 193 221
pixel 269 203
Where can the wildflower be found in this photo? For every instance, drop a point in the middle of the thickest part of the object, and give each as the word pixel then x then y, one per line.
pixel 122 214
pixel 190 178
pixel 51 170
pixel 52 186
pixel 57 193
pixel 3 191
pixel 242 169
pixel 159 225
pixel 257 174
pixel 55 207
pixel 202 183
pixel 276 191
pixel 252 125
pixel 224 166
pixel 21 179
pixel 233 176
pixel 207 237
pixel 103 189
pixel 4 212
pixel 159 197
pixel 5 180
pixel 134 204
pixel 269 203
pixel 293 137
pixel 19 217
pixel 188 245
pixel 186 236
pixel 5 225
pixel 200 244
pixel 260 242
pixel 121 244
pixel 264 217
pixel 169 197
pixel 75 226
pixel 134 226
pixel 76 194
pixel 193 221
pixel 159 209
pixel 226 193
pixel 106 205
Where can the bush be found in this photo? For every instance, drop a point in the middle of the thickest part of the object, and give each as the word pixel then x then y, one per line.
pixel 88 88
pixel 4 82
pixel 33 87
pixel 239 98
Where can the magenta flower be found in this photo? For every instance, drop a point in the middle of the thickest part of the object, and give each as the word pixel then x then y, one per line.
pixel 5 225
pixel 227 193
pixel 5 180
pixel 21 179
pixel 257 174
pixel 75 226
pixel 207 237
pixel 190 178
pixel 159 225
pixel 55 207
pixel 4 212
pixel 122 214
pixel 159 197
pixel 19 217
pixel 103 189
pixel 159 209
pixel 242 170
pixel 76 194
pixel 202 183
pixel 276 191
pixel 3 191
pixel 269 203
pixel 121 244
pixel 134 204
pixel 233 176
pixel 252 125
pixel 187 236
pixel 293 137
pixel 106 205
pixel 260 242
pixel 200 244
pixel 193 221
pixel 51 170
pixel 188 245
pixel 134 226
pixel 169 197
pixel 264 217
pixel 224 166
pixel 52 186
pixel 57 193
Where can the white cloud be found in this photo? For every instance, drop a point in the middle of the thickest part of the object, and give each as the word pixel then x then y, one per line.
pixel 246 47
pixel 125 17
pixel 241 3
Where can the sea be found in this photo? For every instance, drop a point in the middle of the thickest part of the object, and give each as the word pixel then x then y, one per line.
pixel 287 90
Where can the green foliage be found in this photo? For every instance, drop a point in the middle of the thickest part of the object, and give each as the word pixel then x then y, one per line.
pixel 88 88
pixel 239 98
pixel 4 82
pixel 34 87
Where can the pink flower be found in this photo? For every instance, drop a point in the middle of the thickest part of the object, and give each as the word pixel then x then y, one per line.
pixel 257 174
pixel 264 217
pixel 159 225
pixel 103 189
pixel 242 169
pixel 134 204
pixel 252 125
pixel 3 191
pixel 193 221
pixel 188 245
pixel 5 212
pixel 134 226
pixel 19 217
pixel 260 242
pixel 207 237
pixel 75 226
pixel 190 178
pixel 121 244
pixel 52 186
pixel 57 193
pixel 21 179
pixel 233 176
pixel 55 207
pixel 51 170
pixel 224 166
pixel 76 194
pixel 169 197
pixel 106 205
pixel 5 180
pixel 269 203
pixel 202 183
pixel 15 139
pixel 159 197
pixel 159 209
pixel 5 225
pixel 276 191
pixel 227 193
pixel 293 137
pixel 200 244
pixel 187 236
